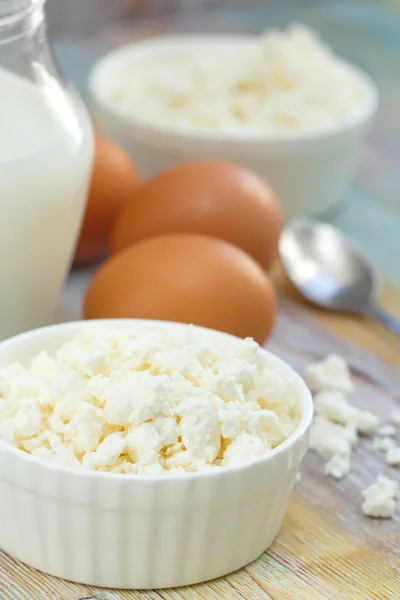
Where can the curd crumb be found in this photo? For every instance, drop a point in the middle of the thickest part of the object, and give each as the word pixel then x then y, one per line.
pixel 386 430
pixel 383 443
pixel 395 417
pixel 380 498
pixel 393 457
pixel 338 466
pixel 330 374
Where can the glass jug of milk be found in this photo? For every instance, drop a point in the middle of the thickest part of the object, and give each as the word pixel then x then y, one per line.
pixel 46 153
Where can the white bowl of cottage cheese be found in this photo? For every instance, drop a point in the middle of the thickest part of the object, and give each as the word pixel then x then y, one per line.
pixel 282 104
pixel 141 454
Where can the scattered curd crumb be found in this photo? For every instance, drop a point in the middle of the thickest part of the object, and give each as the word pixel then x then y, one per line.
pixel 366 422
pixel 383 443
pixel 148 403
pixel 337 423
pixel 395 417
pixel 380 498
pixel 328 438
pixel 338 466
pixel 393 456
pixel 330 374
pixel 335 407
pixel 386 430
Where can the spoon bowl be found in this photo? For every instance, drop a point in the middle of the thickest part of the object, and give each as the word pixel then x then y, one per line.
pixel 328 271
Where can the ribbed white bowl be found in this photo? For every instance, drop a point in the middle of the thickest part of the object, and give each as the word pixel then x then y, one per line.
pixel 141 531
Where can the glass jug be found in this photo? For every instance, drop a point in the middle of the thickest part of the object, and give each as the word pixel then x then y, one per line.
pixel 46 153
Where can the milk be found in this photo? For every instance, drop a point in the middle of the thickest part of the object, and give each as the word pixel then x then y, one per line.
pixel 46 150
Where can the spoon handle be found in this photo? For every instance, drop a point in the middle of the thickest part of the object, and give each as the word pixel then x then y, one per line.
pixel 386 319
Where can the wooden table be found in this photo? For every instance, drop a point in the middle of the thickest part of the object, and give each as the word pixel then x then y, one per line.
pixel 326 550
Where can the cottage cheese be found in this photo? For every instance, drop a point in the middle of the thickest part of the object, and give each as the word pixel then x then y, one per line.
pixel 328 438
pixel 336 427
pixel 337 423
pixel 148 403
pixel 338 466
pixel 330 374
pixel 383 443
pixel 386 430
pixel 280 82
pixel 380 498
pixel 335 406
pixel 395 418
pixel 393 456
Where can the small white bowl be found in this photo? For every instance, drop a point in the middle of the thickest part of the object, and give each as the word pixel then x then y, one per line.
pixel 309 171
pixel 141 532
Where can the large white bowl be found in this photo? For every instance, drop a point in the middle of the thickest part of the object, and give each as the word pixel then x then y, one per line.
pixel 126 531
pixel 309 171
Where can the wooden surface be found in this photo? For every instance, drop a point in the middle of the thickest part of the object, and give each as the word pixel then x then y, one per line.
pixel 326 550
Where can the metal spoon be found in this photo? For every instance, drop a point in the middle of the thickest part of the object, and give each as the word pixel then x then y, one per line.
pixel 328 271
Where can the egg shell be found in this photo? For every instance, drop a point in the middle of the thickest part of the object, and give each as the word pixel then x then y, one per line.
pixel 214 198
pixel 185 278
pixel 113 184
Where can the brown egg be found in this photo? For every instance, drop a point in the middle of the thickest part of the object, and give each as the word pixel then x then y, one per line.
pixel 213 198
pixel 185 278
pixel 114 182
